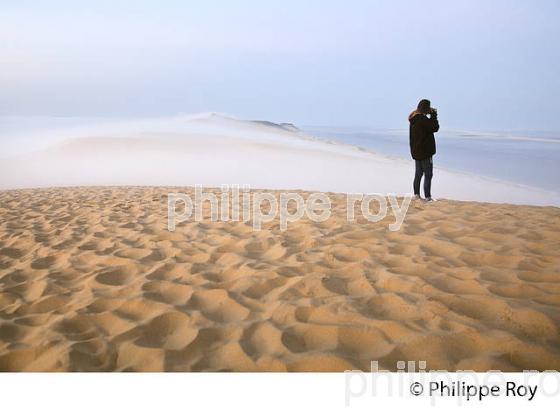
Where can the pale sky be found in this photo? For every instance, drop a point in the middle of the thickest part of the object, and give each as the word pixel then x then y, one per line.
pixel 487 65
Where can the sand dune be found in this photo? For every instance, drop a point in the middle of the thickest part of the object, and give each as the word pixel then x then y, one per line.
pixel 91 280
pixel 212 150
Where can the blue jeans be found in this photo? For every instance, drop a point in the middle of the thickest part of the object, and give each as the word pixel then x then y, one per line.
pixel 424 167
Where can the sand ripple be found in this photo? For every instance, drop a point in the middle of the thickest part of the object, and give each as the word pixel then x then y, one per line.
pixel 91 280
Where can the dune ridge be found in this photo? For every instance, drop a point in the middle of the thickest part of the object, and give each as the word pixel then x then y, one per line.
pixel 91 280
pixel 213 149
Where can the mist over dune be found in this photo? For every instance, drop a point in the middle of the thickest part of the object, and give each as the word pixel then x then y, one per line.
pixel 214 149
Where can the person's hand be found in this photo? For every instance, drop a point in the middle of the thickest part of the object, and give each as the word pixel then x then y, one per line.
pixel 434 111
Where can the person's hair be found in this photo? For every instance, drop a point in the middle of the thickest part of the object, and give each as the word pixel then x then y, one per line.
pixel 424 106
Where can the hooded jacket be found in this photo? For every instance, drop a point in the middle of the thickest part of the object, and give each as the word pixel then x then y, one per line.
pixel 422 141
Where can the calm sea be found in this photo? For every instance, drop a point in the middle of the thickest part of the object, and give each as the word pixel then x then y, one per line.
pixel 527 158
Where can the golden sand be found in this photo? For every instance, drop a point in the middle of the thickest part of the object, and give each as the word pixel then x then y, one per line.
pixel 91 279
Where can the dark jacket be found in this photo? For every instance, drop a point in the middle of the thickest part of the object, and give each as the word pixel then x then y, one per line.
pixel 422 141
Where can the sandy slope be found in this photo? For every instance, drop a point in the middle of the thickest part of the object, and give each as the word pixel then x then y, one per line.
pixel 90 279
pixel 213 150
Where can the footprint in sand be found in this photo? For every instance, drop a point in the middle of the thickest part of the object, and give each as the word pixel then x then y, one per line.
pixel 217 305
pixel 13 253
pixel 116 276
pixel 167 292
pixel 172 330
pixel 43 263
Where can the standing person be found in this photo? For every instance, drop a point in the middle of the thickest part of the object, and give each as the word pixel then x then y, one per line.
pixel 423 124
